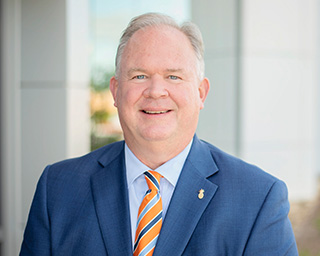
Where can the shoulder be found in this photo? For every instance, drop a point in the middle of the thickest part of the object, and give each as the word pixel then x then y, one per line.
pixel 87 164
pixel 235 165
pixel 240 176
pixel 244 187
pixel 69 180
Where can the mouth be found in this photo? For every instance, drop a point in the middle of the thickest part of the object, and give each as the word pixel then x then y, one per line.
pixel 155 112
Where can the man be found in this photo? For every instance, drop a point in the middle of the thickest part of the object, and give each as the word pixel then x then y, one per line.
pixel 195 199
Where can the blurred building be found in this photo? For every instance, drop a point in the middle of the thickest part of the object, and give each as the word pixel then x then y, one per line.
pixel 262 58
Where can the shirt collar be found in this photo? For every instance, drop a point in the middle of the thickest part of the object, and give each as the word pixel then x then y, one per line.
pixel 170 170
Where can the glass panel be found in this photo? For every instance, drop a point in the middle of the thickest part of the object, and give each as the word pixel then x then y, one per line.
pixel 107 21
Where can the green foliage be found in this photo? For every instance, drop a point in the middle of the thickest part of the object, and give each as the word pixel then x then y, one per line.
pixel 317 223
pixel 304 253
pixel 100 79
pixel 98 142
pixel 100 116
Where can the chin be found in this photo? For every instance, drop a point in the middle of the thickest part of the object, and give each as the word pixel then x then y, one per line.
pixel 156 135
pixel 156 138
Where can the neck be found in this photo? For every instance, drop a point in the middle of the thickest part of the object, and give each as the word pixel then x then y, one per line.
pixel 156 153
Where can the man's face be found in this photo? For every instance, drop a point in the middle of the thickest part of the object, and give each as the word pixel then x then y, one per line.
pixel 158 92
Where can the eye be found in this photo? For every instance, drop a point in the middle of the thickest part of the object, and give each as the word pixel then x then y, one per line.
pixel 173 77
pixel 140 77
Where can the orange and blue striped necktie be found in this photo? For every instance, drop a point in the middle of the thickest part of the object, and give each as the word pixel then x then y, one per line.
pixel 149 217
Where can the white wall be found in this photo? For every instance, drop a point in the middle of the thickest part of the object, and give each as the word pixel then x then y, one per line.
pixel 279 90
pixel 261 60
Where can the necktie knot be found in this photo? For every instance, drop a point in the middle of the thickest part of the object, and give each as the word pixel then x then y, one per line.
pixel 153 180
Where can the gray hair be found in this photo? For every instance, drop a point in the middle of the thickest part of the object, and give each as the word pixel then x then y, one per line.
pixel 155 19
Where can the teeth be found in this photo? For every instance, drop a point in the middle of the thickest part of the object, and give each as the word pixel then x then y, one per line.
pixel 155 112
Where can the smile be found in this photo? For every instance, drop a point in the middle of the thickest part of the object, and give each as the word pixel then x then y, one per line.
pixel 155 112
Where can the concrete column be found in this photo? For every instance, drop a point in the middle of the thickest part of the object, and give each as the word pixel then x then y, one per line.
pixel 44 99
pixel 10 100
pixel 54 88
pixel 219 24
pixel 318 94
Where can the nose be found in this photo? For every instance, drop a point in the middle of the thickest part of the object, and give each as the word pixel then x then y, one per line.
pixel 156 88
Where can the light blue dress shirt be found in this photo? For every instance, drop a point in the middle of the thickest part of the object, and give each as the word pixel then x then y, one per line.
pixel 137 185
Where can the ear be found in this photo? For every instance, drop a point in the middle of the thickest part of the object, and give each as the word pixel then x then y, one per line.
pixel 203 91
pixel 114 88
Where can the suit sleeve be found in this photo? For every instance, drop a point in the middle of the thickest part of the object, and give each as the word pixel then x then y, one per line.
pixel 36 239
pixel 272 232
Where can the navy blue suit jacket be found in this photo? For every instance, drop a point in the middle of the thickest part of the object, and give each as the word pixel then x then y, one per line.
pixel 81 207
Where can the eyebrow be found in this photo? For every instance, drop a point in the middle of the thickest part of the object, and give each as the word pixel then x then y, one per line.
pixel 168 70
pixel 174 70
pixel 132 70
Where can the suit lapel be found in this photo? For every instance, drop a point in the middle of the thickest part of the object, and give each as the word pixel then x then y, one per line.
pixel 109 188
pixel 186 208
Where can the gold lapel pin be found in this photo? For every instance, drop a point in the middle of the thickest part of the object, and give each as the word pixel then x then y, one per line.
pixel 201 193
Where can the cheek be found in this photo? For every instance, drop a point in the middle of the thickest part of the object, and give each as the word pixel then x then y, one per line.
pixel 187 98
pixel 128 96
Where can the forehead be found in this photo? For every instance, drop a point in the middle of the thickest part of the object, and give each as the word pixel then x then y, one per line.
pixel 159 45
